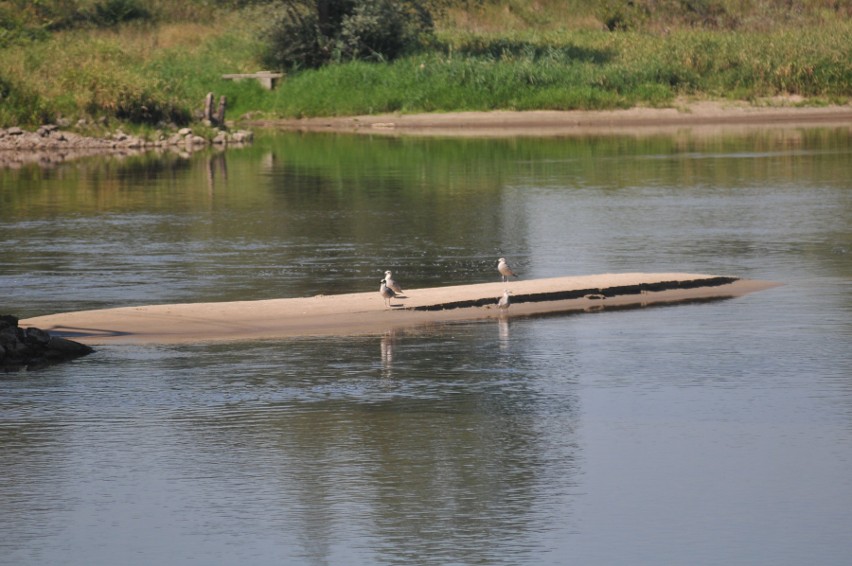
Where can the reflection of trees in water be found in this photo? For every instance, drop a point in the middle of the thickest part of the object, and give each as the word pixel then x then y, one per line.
pixel 446 167
pixel 300 215
pixel 364 222
pixel 453 458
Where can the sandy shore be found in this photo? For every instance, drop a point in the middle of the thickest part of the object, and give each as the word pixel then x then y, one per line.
pixel 366 313
pixel 701 115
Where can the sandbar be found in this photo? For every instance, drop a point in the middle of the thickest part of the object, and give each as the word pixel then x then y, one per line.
pixel 366 313
pixel 701 116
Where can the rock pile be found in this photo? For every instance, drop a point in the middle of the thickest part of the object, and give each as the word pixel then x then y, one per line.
pixel 51 144
pixel 33 347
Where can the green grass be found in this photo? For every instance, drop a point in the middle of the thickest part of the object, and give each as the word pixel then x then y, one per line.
pixel 582 70
pixel 156 73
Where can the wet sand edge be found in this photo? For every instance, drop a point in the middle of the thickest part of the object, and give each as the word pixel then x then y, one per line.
pixel 702 115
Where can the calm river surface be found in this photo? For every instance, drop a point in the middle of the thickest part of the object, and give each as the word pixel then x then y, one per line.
pixel 715 433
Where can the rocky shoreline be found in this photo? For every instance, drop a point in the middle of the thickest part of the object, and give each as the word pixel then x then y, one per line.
pixel 33 348
pixel 50 144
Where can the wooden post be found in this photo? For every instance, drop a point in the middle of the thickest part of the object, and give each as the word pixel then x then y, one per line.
pixel 220 114
pixel 207 116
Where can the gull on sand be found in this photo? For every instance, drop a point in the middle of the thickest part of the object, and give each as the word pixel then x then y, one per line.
pixel 504 269
pixel 392 285
pixel 386 293
pixel 504 301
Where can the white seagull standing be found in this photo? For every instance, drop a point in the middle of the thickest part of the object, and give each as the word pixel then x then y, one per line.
pixel 504 269
pixel 504 301
pixel 392 285
pixel 386 293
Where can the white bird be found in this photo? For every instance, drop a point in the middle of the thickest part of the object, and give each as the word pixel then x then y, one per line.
pixel 504 301
pixel 504 269
pixel 392 285
pixel 386 293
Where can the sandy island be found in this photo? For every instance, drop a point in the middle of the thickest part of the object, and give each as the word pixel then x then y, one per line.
pixel 366 313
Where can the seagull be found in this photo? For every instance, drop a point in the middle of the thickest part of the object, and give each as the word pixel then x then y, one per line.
pixel 504 269
pixel 392 285
pixel 504 301
pixel 386 293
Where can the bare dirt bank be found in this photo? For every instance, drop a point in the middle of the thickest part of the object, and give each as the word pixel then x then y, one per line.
pixel 366 313
pixel 575 122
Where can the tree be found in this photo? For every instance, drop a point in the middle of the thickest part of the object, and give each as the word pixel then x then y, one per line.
pixel 312 33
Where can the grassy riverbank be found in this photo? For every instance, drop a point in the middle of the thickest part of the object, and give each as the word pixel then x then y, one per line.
pixel 146 74
pixel 580 70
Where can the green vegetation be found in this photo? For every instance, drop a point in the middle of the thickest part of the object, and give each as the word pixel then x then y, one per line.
pixel 312 33
pixel 150 64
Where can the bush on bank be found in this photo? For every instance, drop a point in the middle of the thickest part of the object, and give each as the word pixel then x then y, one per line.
pixel 310 34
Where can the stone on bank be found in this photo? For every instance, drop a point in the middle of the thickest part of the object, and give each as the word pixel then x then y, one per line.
pixel 32 348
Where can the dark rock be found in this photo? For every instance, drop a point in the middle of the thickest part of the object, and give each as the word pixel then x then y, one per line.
pixel 37 336
pixel 33 348
pixel 16 349
pixel 8 334
pixel 63 347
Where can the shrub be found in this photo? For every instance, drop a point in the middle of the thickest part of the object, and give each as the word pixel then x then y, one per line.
pixel 49 15
pixel 307 35
pixel 111 12
pixel 382 30
pixel 621 15
pixel 149 108
pixel 294 40
pixel 22 107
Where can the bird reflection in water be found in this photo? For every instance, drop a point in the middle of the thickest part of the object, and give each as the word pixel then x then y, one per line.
pixel 503 330
pixel 387 343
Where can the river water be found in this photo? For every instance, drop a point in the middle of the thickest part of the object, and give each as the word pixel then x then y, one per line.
pixel 713 433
